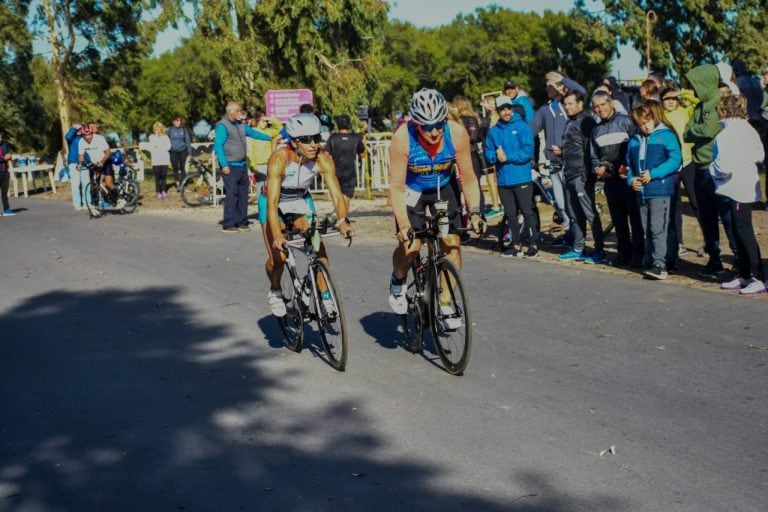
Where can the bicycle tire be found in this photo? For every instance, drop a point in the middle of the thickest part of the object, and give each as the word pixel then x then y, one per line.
pixel 453 345
pixel 93 201
pixel 333 328
pixel 413 321
pixel 292 324
pixel 196 189
pixel 130 193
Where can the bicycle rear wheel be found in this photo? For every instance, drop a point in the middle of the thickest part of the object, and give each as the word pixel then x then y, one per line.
pixel 413 321
pixel 93 199
pixel 332 325
pixel 292 324
pixel 196 189
pixel 451 330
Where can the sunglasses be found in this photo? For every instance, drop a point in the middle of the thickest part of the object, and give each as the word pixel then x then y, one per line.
pixel 434 126
pixel 306 139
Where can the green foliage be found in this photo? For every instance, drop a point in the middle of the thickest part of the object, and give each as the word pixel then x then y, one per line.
pixel 687 33
pixel 21 111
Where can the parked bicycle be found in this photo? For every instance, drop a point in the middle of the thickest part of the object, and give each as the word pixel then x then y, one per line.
pixel 314 296
pixel 431 277
pixel 199 187
pixel 123 198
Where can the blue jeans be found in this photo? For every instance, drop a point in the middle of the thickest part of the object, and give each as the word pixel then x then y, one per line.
pixel 78 180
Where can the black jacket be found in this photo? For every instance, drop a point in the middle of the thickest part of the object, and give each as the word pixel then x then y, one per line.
pixel 577 157
pixel 609 142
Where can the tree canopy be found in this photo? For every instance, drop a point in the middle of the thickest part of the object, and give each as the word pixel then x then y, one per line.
pixel 99 66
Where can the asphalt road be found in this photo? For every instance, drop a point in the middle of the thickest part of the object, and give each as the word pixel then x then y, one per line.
pixel 140 370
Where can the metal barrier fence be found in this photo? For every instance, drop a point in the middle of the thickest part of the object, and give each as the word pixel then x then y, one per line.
pixel 372 167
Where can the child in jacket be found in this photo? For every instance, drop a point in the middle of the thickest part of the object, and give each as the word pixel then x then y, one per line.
pixel 653 159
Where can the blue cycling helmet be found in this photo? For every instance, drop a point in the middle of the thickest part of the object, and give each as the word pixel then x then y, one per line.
pixel 117 157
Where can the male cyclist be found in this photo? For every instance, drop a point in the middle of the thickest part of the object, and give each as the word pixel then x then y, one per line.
pixel 422 155
pixel 291 172
pixel 93 148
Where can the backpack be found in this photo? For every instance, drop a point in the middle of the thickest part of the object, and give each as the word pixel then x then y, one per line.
pixel 473 128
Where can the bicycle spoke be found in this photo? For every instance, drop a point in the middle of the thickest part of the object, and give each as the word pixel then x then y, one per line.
pixel 330 317
pixel 452 325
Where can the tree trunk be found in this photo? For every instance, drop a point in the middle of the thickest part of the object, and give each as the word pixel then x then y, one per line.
pixel 59 63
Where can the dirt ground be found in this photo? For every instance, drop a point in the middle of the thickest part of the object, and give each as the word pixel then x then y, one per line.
pixel 373 223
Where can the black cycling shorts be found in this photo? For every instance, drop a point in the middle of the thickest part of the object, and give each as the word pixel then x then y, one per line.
pixel 107 170
pixel 348 184
pixel 427 199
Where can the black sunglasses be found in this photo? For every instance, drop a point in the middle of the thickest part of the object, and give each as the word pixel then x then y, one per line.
pixel 306 139
pixel 434 126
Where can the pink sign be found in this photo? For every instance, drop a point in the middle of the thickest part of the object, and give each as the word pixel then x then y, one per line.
pixel 284 103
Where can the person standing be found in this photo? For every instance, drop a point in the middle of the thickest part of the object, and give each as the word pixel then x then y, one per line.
pixel 701 131
pixel 609 152
pixel 5 174
pixel 552 118
pixel 344 147
pixel 78 179
pixel 159 150
pixel 653 159
pixel 231 148
pixel 509 146
pixel 737 151
pixel 580 181
pixel 181 149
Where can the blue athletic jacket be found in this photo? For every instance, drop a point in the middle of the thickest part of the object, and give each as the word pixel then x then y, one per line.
pixel 660 153
pixel 516 139
pixel 73 139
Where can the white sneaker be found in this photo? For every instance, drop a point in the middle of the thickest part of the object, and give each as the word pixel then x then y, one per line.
pixel 397 299
pixel 328 304
pixel 753 287
pixel 276 303
pixel 734 284
pixel 448 320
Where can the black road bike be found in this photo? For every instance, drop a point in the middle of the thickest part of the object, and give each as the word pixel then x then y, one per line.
pixel 430 273
pixel 199 187
pixel 123 198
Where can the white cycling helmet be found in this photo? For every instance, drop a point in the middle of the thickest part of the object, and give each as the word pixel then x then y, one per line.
pixel 302 124
pixel 428 107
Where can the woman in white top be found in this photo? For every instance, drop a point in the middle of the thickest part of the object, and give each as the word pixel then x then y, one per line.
pixel 736 152
pixel 159 150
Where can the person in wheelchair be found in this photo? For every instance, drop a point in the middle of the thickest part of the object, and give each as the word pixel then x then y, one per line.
pixel 291 172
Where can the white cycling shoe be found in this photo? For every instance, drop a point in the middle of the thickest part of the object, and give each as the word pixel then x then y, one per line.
pixel 276 303
pixel 397 299
pixel 449 321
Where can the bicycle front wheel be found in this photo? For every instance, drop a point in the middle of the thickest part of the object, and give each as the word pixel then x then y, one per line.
pixel 292 324
pixel 196 189
pixel 93 199
pixel 451 320
pixel 330 317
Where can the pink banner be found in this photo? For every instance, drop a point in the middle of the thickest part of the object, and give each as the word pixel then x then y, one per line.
pixel 284 103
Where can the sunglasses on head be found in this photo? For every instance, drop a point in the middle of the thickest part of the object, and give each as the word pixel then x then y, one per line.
pixel 434 126
pixel 306 139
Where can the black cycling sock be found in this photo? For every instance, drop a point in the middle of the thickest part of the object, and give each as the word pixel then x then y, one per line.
pixel 395 280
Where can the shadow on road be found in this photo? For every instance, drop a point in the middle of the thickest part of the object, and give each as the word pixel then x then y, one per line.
pixel 127 400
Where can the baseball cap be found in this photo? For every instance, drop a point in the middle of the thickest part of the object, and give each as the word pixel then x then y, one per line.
pixel 503 101
pixel 553 77
pixel 510 84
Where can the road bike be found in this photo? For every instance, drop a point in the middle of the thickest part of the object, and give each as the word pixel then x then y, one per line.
pixel 313 296
pixel 431 275
pixel 123 198
pixel 199 187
